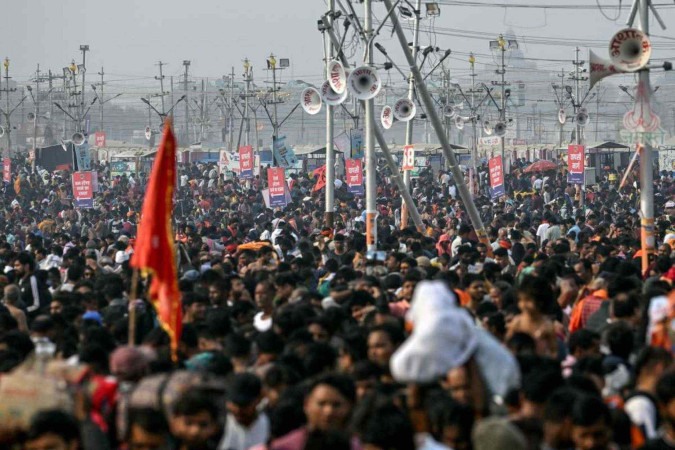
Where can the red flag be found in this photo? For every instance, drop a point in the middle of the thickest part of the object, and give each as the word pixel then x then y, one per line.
pixel 154 251
pixel 320 175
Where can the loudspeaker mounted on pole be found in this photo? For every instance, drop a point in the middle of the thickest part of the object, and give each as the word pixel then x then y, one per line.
pixel 562 117
pixel 77 138
pixel 2 131
pixel 148 133
pixel 459 122
pixel 582 117
pixel 330 97
pixel 310 99
pixel 630 49
pixel 500 129
pixel 386 117
pixel 487 129
pixel 404 110
pixel 449 111
pixel 337 77
pixel 364 83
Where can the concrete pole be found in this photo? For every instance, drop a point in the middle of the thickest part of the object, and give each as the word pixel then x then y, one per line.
pixel 8 130
pixel 186 64
pixel 462 189
pixel 275 124
pixel 503 111
pixel 330 151
pixel 100 103
pixel 84 49
pixel 161 84
pixel 577 105
pixel 246 107
pixel 473 172
pixel 36 99
pixel 371 157
pixel 646 169
pixel 411 97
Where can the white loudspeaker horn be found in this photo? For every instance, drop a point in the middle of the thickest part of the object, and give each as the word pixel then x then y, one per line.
pixel 330 97
pixel 582 118
pixel 364 83
pixel 148 133
pixel 387 117
pixel 310 99
pixel 2 131
pixel 630 49
pixel 449 111
pixel 487 129
pixel 337 77
pixel 600 68
pixel 77 138
pixel 562 117
pixel 500 129
pixel 404 110
pixel 31 116
pixel 459 122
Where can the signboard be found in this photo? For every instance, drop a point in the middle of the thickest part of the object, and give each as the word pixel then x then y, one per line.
pixel 83 157
pixel 496 176
pixel 276 180
pixel 7 170
pixel 99 139
pixel 246 162
pixel 119 168
pixel 354 176
pixel 490 140
pixel 408 158
pixel 83 189
pixel 356 143
pixel 283 154
pixel 575 164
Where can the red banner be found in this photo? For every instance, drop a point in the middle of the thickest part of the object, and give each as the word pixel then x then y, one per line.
pixel 320 176
pixel 496 176
pixel 99 138
pixel 246 162
pixel 7 170
pixel 408 158
pixel 354 170
pixel 575 163
pixel 276 180
pixel 83 189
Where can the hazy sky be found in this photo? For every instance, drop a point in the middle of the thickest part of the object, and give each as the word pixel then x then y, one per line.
pixel 128 37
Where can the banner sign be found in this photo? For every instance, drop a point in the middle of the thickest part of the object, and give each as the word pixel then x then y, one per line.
pixel 408 158
pixel 276 180
pixel 354 176
pixel 83 190
pixel 82 157
pixel 7 170
pixel 283 154
pixel 357 143
pixel 575 164
pixel 491 140
pixel 496 177
pixel 99 138
pixel 246 162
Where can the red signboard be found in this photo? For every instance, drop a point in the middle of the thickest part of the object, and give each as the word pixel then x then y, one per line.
pixel 7 170
pixel 246 162
pixel 276 180
pixel 83 189
pixel 575 163
pixel 99 138
pixel 408 158
pixel 496 176
pixel 354 175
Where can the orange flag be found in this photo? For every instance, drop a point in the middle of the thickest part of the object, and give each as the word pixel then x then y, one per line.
pixel 154 251
pixel 320 175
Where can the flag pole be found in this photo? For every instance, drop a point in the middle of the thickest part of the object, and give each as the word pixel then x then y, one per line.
pixel 132 310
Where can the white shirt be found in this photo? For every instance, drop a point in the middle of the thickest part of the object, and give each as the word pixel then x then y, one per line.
pixel 238 437
pixel 541 231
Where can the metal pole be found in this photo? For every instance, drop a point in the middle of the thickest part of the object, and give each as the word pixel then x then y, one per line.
pixel 473 173
pixel 275 125
pixel 186 64
pixel 371 157
pixel 411 97
pixel 330 153
pixel 36 99
pixel 85 49
pixel 503 111
pixel 8 131
pixel 246 108
pixel 577 105
pixel 230 133
pixel 100 103
pixel 646 169
pixel 438 127
pixel 161 84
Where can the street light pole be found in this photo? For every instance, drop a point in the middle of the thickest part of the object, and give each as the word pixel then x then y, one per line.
pixel 7 90
pixel 186 64
pixel 411 97
pixel 371 157
pixel 330 153
pixel 503 111
pixel 84 49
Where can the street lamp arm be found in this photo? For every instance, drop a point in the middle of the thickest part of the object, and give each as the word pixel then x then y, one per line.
pixel 65 112
pixel 447 53
pixel 269 116
pixel 489 93
pixel 111 98
pixel 147 102
pixel 377 31
pixel 18 104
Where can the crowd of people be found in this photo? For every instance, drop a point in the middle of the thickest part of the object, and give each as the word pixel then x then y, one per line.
pixel 296 337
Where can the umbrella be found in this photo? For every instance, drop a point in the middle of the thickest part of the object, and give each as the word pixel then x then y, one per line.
pixel 541 166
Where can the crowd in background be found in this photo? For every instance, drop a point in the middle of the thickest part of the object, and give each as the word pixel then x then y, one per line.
pixel 296 337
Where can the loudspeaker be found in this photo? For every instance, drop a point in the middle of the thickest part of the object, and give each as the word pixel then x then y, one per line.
pixel 330 97
pixel 77 138
pixel 630 49
pixel 404 110
pixel 148 133
pixel 386 117
pixel 562 116
pixel 310 99
pixel 364 83
pixel 337 76
pixel 500 129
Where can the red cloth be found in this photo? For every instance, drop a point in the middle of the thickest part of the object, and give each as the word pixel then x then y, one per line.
pixel 320 175
pixel 154 253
